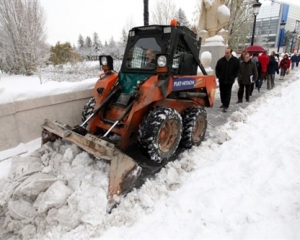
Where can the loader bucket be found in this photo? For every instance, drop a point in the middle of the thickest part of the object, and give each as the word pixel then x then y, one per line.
pixel 124 171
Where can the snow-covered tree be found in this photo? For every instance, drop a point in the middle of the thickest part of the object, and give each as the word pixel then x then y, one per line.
pixel 112 43
pixel 181 18
pixel 22 36
pixel 124 36
pixel 80 42
pixel 96 43
pixel 195 16
pixel 241 20
pixel 112 48
pixel 163 12
pixel 88 42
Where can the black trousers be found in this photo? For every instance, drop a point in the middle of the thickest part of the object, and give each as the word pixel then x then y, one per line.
pixel 225 94
pixel 241 91
pixel 252 88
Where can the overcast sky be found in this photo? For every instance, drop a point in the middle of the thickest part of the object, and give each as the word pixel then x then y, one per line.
pixel 66 19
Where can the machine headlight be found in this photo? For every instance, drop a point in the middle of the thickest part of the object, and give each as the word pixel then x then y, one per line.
pixel 106 62
pixel 103 61
pixel 162 61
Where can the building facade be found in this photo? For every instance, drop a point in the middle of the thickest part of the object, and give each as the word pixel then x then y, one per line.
pixel 278 27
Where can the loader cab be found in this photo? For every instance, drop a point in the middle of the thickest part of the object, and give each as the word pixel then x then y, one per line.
pixel 161 48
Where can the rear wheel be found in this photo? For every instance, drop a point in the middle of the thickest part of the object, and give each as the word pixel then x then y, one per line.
pixel 88 109
pixel 194 120
pixel 159 133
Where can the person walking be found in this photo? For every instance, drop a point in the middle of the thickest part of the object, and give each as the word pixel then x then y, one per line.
pixel 298 60
pixel 241 58
pixel 227 70
pixel 284 65
pixel 272 68
pixel 294 59
pixel 264 61
pixel 247 75
pixel 258 83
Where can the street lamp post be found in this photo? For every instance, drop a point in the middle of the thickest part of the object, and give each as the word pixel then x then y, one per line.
pixel 294 33
pixel 282 24
pixel 256 7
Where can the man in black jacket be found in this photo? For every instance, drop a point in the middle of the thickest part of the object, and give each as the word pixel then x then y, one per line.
pixel 227 70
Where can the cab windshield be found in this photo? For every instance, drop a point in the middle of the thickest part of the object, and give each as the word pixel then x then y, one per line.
pixel 143 54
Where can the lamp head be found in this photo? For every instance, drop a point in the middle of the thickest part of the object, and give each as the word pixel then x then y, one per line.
pixel 256 7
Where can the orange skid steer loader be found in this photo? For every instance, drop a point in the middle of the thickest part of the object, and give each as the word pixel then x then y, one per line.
pixel 156 102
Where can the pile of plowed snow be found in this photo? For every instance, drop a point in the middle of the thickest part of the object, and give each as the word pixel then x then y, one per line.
pixel 57 185
pixel 60 191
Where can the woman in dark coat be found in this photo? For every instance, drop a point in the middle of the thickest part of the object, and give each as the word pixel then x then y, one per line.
pixel 247 75
pixel 259 81
pixel 272 69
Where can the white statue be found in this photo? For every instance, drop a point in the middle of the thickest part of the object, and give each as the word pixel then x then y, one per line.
pixel 214 16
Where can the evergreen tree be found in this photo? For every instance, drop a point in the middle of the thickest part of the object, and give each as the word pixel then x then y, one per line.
pixel 181 18
pixel 80 41
pixel 96 42
pixel 112 43
pixel 88 42
pixel 124 36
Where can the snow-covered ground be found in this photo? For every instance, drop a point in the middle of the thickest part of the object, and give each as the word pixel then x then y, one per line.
pixel 243 182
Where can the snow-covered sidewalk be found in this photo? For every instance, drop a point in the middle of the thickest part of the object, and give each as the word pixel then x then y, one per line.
pixel 241 183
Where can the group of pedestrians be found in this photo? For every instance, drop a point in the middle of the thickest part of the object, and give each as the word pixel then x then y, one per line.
pixel 250 72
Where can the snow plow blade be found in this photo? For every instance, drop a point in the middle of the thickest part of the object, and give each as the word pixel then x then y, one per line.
pixel 124 171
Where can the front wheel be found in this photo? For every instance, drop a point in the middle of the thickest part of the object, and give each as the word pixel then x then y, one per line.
pixel 88 109
pixel 194 120
pixel 160 133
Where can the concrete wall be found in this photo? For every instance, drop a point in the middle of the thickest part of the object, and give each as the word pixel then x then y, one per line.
pixel 20 121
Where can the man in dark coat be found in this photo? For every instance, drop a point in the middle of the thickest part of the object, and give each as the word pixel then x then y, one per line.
pixel 227 70
pixel 272 68
pixel 294 59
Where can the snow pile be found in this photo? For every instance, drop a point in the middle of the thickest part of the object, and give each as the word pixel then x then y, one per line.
pixel 57 185
pixel 59 191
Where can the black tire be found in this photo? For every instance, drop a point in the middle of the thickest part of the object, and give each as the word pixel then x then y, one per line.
pixel 88 109
pixel 160 133
pixel 194 120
